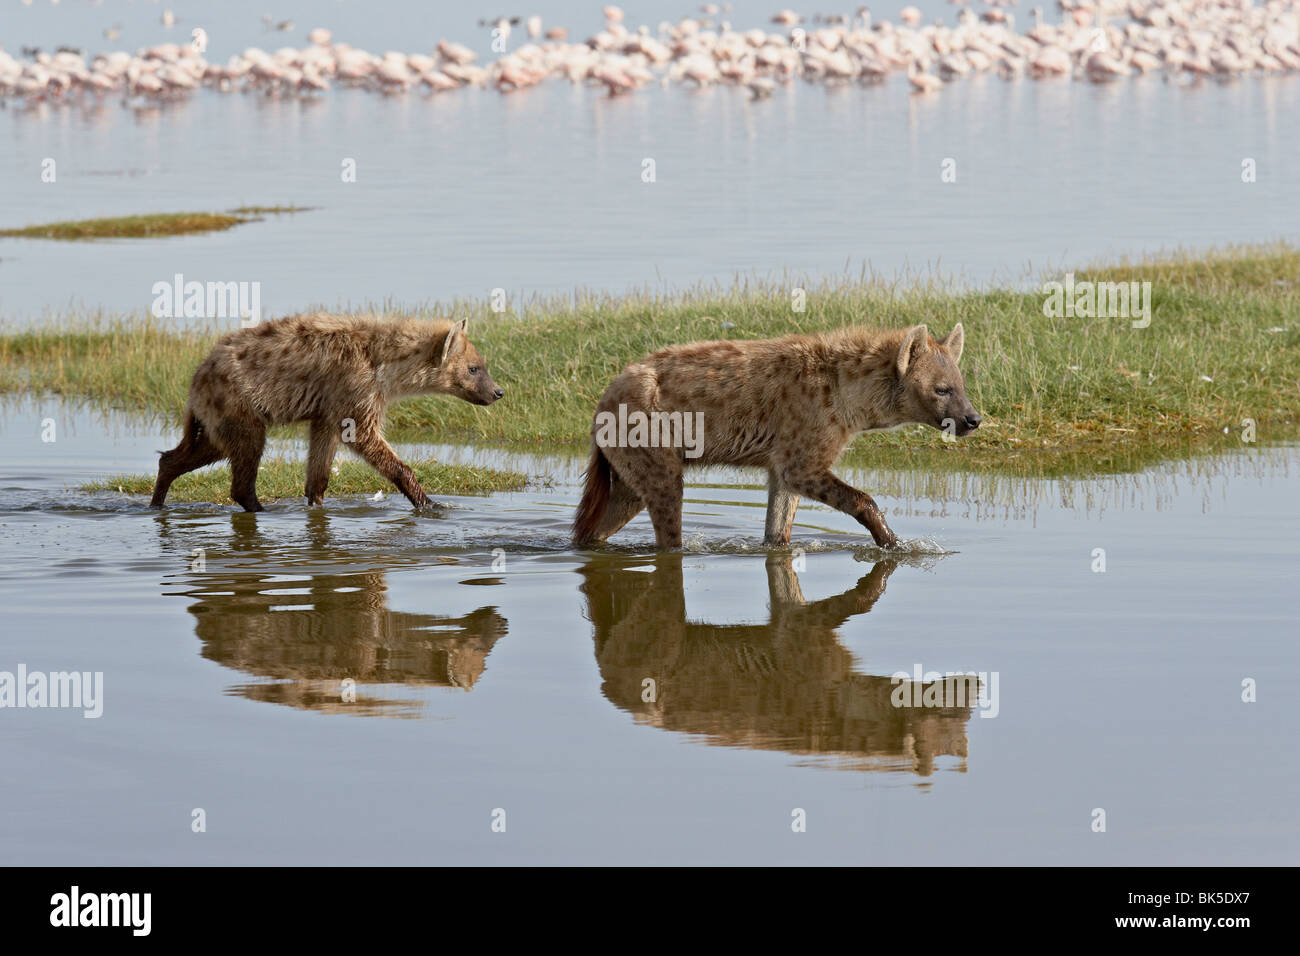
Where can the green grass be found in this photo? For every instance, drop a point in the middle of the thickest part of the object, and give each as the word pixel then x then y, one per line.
pixel 1236 268
pixel 283 478
pixel 1059 395
pixel 130 227
pixel 149 226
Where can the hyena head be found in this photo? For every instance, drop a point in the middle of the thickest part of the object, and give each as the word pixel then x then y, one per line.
pixel 459 369
pixel 930 389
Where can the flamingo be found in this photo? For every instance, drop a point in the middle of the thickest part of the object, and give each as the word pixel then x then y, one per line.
pixel 1192 38
pixel 921 81
pixel 456 53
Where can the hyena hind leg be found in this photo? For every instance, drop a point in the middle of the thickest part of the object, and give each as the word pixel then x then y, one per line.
pixel 624 505
pixel 657 481
pixel 246 446
pixel 666 514
pixel 322 447
pixel 194 451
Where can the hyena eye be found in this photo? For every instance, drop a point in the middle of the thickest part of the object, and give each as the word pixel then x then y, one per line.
pixel 473 370
pixel 944 390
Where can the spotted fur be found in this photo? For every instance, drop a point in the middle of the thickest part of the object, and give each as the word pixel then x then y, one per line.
pixel 788 405
pixel 339 373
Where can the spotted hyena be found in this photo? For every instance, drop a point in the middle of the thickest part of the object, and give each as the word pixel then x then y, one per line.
pixel 787 405
pixel 339 373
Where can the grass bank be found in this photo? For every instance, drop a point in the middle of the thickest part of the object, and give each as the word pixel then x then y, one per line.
pixel 284 478
pixel 150 226
pixel 1059 395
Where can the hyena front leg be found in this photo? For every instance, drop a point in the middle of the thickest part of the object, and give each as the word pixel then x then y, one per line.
pixel 379 455
pixel 323 444
pixel 782 503
pixel 826 488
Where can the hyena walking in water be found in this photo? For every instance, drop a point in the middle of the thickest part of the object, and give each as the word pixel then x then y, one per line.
pixel 788 405
pixel 339 373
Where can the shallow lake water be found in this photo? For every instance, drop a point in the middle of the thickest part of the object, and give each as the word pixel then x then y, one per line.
pixel 542 192
pixel 496 669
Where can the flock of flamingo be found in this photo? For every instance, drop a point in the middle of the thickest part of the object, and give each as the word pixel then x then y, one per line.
pixel 1096 41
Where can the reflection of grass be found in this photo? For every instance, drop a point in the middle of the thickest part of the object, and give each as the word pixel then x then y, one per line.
pixel 283 478
pixel 271 210
pixel 1059 395
pixel 150 226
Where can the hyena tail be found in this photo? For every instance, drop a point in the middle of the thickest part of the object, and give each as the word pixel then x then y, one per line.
pixel 595 498
pixel 194 451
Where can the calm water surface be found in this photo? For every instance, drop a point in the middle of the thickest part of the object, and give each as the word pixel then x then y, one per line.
pixel 542 191
pixel 497 668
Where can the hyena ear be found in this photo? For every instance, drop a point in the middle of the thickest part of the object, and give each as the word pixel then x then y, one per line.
pixel 913 347
pixel 954 342
pixel 455 340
